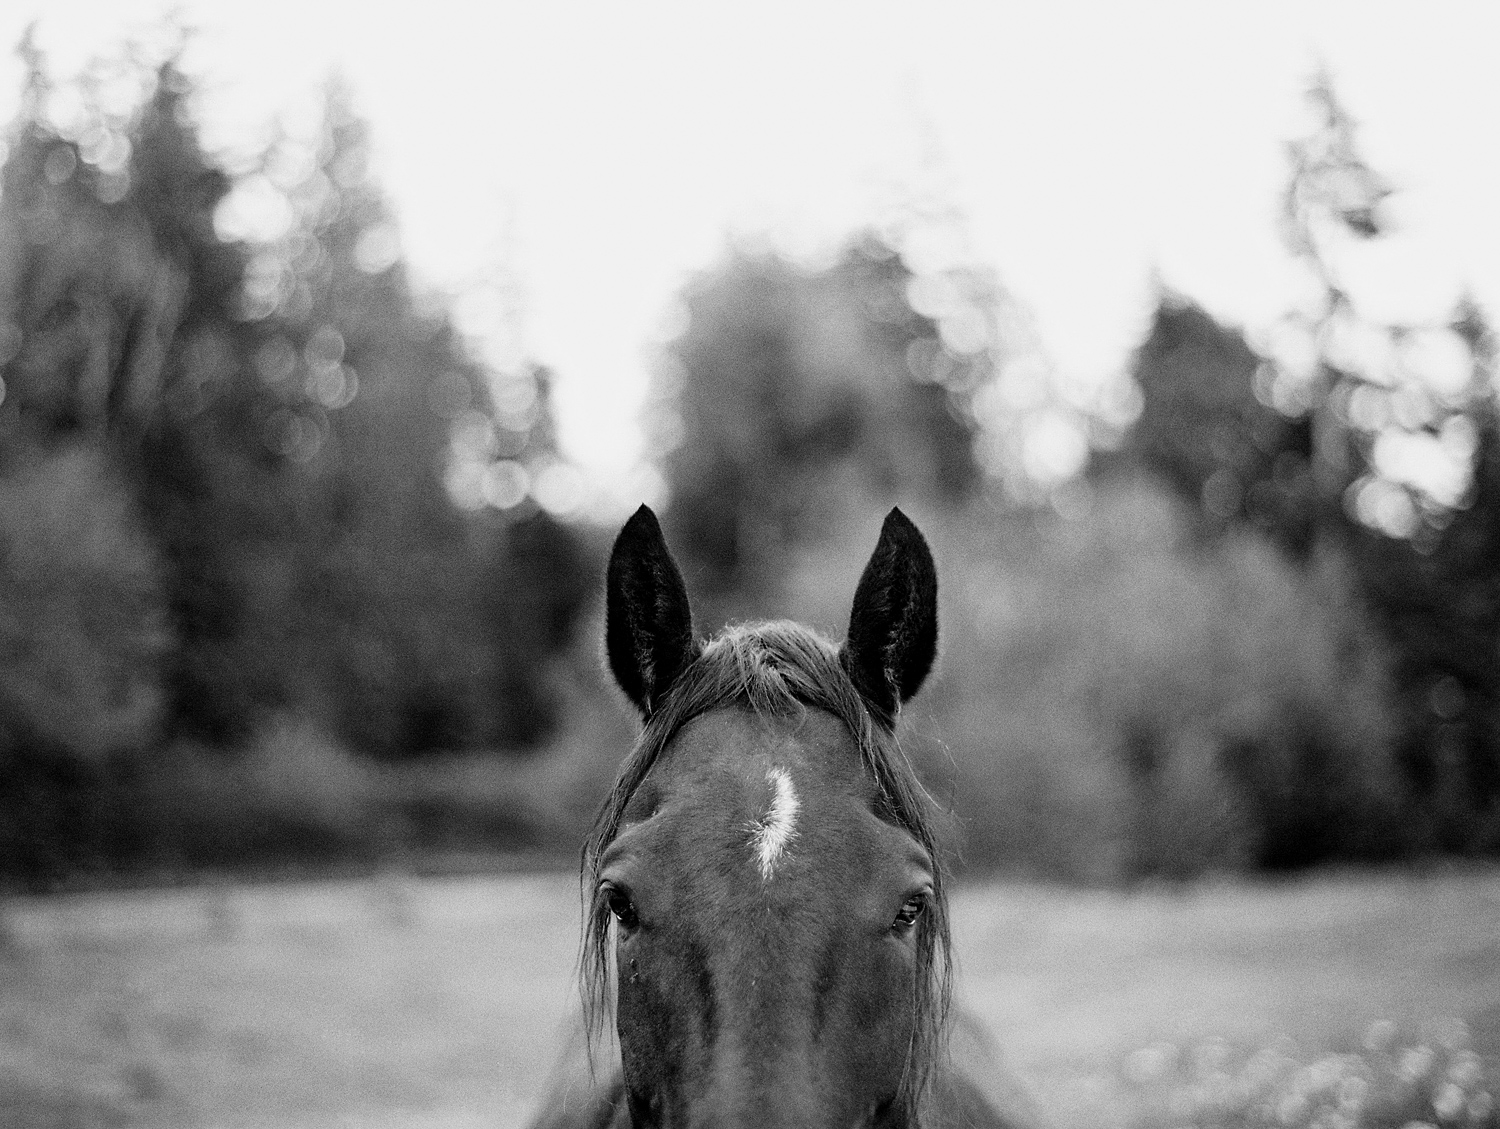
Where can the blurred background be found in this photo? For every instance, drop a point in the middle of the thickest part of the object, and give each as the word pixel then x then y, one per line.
pixel 333 354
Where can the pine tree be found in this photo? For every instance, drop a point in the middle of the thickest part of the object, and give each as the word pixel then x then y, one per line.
pixel 374 393
pixel 1298 445
pixel 796 399
pixel 282 417
pixel 1232 458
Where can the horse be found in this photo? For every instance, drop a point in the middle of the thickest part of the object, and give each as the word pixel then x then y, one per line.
pixel 765 874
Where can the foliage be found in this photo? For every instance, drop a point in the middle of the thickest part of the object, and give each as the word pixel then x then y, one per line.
pixel 1403 432
pixel 1440 606
pixel 292 800
pixel 794 400
pixel 84 628
pixel 1241 466
pixel 1387 403
pixel 1114 702
pixel 1207 434
pixel 82 618
pixel 223 501
pixel 1173 700
pixel 1370 443
pixel 236 593
pixel 280 413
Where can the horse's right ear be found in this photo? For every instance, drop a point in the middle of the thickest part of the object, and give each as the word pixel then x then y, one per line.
pixel 648 626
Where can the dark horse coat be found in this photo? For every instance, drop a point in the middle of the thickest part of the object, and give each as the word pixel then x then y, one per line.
pixel 766 935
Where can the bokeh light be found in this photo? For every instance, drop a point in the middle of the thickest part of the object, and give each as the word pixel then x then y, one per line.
pixel 255 211
pixel 505 484
pixel 560 489
pixel 378 248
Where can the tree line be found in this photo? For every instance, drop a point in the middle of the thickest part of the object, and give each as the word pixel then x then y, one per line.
pixel 1254 631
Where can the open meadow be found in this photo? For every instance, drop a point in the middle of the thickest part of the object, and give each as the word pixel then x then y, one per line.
pixel 403 1003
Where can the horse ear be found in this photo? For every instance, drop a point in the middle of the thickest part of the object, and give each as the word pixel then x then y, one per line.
pixel 648 626
pixel 893 627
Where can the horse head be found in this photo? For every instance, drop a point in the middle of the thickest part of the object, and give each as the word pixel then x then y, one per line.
pixel 764 872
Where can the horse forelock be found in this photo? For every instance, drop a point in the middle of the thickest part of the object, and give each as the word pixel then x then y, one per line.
pixel 779 669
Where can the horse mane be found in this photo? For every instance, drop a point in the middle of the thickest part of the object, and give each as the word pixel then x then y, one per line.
pixel 779 669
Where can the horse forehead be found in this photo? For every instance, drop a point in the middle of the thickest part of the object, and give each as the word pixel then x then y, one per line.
pixel 811 753
pixel 737 788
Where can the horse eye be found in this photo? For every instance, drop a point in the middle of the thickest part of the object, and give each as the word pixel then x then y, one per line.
pixel 910 911
pixel 622 908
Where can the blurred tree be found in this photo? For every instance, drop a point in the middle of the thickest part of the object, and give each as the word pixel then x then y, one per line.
pixel 1370 442
pixel 1387 403
pixel 1438 599
pixel 1401 420
pixel 1205 432
pixel 88 297
pixel 214 499
pixel 121 302
pixel 86 303
pixel 381 568
pixel 285 413
pixel 372 389
pixel 795 399
pixel 83 624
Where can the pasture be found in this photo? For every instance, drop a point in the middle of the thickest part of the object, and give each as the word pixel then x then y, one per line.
pixel 410 1003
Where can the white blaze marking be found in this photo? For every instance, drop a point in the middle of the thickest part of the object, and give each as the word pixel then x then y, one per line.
pixel 776 828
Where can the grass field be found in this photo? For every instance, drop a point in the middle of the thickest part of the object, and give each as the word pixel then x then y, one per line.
pixel 437 1003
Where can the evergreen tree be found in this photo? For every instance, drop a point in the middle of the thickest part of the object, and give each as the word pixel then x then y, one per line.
pixel 281 416
pixel 796 399
pixel 1438 599
pixel 371 389
pixel 1420 529
pixel 1299 445
pixel 1204 432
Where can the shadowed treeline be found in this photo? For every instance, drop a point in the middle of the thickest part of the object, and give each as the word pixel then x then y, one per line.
pixel 283 580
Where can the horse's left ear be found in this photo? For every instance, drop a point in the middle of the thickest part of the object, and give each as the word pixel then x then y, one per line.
pixel 893 627
pixel 648 625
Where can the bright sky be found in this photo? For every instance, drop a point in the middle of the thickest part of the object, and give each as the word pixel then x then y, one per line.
pixel 590 156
